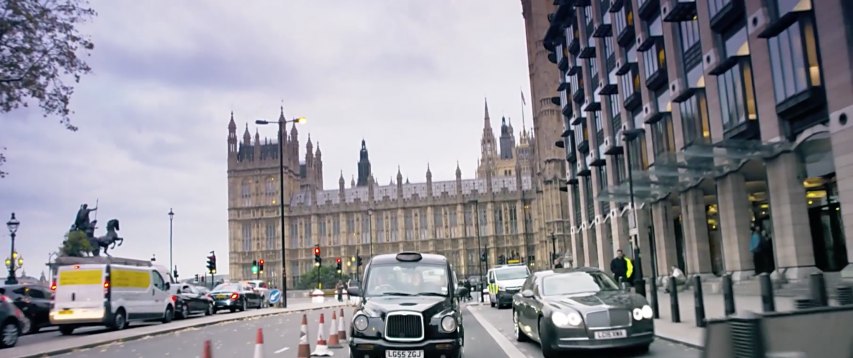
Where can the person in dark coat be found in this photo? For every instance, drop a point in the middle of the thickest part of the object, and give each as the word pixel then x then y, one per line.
pixel 619 267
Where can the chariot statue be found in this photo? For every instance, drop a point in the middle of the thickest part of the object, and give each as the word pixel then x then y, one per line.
pixel 83 224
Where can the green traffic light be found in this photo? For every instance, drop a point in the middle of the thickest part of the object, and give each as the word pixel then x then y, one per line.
pixel 254 269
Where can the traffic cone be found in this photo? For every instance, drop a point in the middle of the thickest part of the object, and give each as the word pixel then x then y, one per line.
pixel 259 344
pixel 321 349
pixel 208 352
pixel 333 337
pixel 342 333
pixel 304 348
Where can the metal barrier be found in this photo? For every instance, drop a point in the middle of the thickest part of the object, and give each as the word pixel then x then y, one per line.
pixel 698 301
pixel 817 287
pixel 673 300
pixel 767 300
pixel 747 336
pixel 728 294
pixel 845 295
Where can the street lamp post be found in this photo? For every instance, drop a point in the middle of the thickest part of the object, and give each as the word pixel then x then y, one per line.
pixel 479 246
pixel 281 125
pixel 553 250
pixel 12 224
pixel 171 216
pixel 370 230
pixel 639 282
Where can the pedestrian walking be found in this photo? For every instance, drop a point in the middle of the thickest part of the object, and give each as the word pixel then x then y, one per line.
pixel 755 249
pixel 619 267
pixel 339 288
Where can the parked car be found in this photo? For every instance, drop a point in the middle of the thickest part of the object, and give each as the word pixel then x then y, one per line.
pixel 236 296
pixel 110 295
pixel 580 308
pixel 12 321
pixel 189 300
pixel 407 308
pixel 263 289
pixel 34 301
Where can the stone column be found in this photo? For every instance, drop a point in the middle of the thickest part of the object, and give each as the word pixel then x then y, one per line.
pixel 619 232
pixel 735 221
pixel 696 240
pixel 792 238
pixel 605 245
pixel 664 236
pixel 590 255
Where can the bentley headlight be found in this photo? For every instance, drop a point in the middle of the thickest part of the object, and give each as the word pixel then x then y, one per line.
pixel 448 324
pixel 638 314
pixel 647 312
pixel 360 322
pixel 563 320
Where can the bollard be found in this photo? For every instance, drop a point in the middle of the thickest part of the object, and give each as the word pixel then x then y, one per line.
pixel 673 300
pixel 698 301
pixel 802 303
pixel 845 295
pixel 747 336
pixel 654 296
pixel 768 302
pixel 817 287
pixel 728 295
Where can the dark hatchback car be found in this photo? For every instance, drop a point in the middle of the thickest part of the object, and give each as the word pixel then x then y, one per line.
pixel 408 308
pixel 580 309
pixel 236 296
pixel 34 301
pixel 12 321
pixel 189 300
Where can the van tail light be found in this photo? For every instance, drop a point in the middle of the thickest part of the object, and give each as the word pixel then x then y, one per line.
pixel 174 298
pixel 235 296
pixel 53 286
pixel 107 288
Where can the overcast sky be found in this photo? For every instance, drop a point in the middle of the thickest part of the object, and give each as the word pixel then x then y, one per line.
pixel 407 76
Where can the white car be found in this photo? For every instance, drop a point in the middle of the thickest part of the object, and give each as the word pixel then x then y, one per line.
pixel 263 290
pixel 109 295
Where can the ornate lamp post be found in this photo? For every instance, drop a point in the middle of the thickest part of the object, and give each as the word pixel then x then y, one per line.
pixel 479 246
pixel 281 123
pixel 12 224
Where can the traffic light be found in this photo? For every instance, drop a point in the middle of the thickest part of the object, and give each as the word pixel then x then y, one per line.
pixel 484 257
pixel 358 260
pixel 261 265
pixel 211 263
pixel 254 267
pixel 501 259
pixel 317 258
pixel 339 264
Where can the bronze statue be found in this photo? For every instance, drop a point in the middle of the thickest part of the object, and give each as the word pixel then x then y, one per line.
pixel 110 238
pixel 81 222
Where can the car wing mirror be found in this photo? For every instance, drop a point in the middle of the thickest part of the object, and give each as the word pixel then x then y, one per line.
pixel 168 286
pixel 527 294
pixel 354 291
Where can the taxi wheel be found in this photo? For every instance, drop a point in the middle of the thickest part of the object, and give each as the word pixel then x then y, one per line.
pixel 66 330
pixel 119 321
pixel 168 315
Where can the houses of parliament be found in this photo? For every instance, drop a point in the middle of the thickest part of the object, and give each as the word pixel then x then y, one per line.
pixel 497 210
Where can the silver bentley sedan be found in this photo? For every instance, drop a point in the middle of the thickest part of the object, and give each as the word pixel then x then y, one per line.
pixel 580 309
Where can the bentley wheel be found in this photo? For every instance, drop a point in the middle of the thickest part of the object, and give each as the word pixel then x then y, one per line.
pixel 519 334
pixel 547 351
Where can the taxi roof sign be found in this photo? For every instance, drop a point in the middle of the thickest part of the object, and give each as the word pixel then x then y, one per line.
pixel 409 257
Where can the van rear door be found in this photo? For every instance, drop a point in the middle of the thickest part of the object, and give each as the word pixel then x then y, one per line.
pixel 79 289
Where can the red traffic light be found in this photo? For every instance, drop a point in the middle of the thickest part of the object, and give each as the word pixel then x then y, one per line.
pixel 316 251
pixel 338 260
pixel 261 262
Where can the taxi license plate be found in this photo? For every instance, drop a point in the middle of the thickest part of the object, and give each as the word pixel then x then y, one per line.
pixel 221 297
pixel 66 312
pixel 404 354
pixel 619 333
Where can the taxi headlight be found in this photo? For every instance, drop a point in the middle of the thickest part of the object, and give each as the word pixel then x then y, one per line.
pixel 360 322
pixel 564 320
pixel 647 312
pixel 448 324
pixel 638 314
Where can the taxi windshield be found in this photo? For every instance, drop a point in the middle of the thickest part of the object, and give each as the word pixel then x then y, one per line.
pixel 513 273
pixel 406 279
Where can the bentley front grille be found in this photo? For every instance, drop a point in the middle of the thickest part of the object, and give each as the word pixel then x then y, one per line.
pixel 404 326
pixel 609 318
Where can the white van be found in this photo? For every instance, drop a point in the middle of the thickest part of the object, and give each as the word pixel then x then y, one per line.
pixel 109 294
pixel 504 282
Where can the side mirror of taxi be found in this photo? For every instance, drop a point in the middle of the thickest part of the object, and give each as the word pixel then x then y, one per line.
pixel 354 291
pixel 527 294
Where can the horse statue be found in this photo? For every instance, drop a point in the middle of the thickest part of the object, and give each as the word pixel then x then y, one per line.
pixel 111 238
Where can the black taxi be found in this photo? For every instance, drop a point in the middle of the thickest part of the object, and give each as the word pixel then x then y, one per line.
pixel 408 308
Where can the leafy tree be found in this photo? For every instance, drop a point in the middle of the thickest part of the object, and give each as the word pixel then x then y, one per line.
pixel 76 244
pixel 328 277
pixel 39 41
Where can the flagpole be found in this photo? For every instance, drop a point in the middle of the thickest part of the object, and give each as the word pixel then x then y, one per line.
pixel 523 104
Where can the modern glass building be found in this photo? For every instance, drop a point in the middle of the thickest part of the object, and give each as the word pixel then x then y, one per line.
pixel 734 114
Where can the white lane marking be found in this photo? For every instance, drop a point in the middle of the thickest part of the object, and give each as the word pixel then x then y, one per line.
pixel 281 350
pixel 499 338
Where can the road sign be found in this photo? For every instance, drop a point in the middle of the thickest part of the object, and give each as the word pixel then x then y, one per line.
pixel 275 296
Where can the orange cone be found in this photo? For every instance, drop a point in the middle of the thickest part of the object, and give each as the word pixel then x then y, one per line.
pixel 208 352
pixel 321 349
pixel 342 333
pixel 259 344
pixel 333 337
pixel 304 348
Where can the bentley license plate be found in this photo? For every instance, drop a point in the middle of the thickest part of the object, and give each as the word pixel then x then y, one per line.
pixel 619 333
pixel 404 354
pixel 66 311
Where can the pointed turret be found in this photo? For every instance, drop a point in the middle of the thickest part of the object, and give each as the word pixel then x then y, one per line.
pixel 232 127
pixel 352 182
pixel 507 140
pixel 318 168
pixel 364 170
pixel 309 153
pixel 370 187
pixel 399 183
pixel 232 138
pixel 247 138
pixel 257 138
pixel 488 147
pixel 429 181
pixel 486 117
pixel 341 187
pixel 458 179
